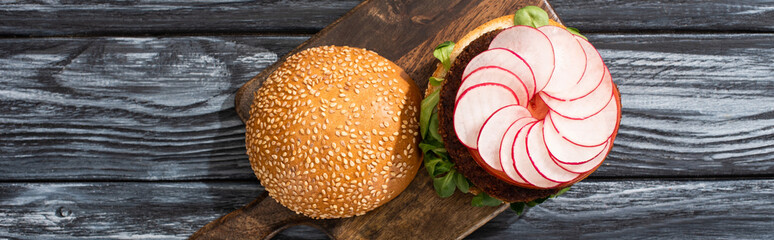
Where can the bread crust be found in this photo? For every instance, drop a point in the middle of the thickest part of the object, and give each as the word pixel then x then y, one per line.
pixel 333 132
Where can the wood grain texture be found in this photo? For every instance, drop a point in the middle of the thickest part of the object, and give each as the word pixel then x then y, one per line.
pixel 647 210
pixel 679 15
pixel 416 27
pixel 55 18
pixel 410 215
pixel 634 209
pixel 692 102
pixel 127 108
pixel 161 108
pixel 263 218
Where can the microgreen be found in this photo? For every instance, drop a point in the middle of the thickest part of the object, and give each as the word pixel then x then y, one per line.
pixel 532 16
pixel 576 32
pixel 435 81
pixel 519 207
pixel 462 183
pixel 445 185
pixel 483 199
pixel 428 106
pixel 536 17
pixel 443 53
pixel 432 128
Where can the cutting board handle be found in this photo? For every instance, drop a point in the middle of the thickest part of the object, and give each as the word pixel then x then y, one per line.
pixel 261 219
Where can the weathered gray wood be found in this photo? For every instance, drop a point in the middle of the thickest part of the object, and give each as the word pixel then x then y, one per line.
pixel 654 15
pixel 162 108
pixel 692 104
pixel 127 108
pixel 23 18
pixel 635 209
pixel 739 209
pixel 35 18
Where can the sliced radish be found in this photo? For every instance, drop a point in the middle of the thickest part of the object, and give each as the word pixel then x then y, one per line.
pixel 586 106
pixel 506 148
pixel 533 46
pixel 592 76
pixel 541 160
pixel 523 164
pixel 506 59
pixel 570 60
pixel 491 134
pixel 496 74
pixel 591 131
pixel 565 151
pixel 475 105
pixel 583 168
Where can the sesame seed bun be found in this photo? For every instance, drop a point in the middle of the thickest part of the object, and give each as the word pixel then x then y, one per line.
pixel 333 132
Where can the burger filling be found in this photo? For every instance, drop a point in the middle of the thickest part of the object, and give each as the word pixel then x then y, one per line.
pixel 446 159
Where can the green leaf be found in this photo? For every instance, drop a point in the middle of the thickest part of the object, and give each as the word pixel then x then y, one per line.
pixel 440 151
pixel 576 32
pixel 435 81
pixel 445 186
pixel 477 201
pixel 443 53
pixel 462 183
pixel 484 199
pixel 431 163
pixel 564 190
pixel 427 106
pixel 427 147
pixel 490 201
pixel 540 200
pixel 433 127
pixel 518 207
pixel 532 16
pixel 442 167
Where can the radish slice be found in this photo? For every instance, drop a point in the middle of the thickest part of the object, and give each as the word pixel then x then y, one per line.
pixel 496 74
pixel 506 59
pixel 587 166
pixel 592 76
pixel 533 46
pixel 475 105
pixel 523 164
pixel 506 148
pixel 583 107
pixel 541 160
pixel 592 131
pixel 570 60
pixel 491 134
pixel 565 151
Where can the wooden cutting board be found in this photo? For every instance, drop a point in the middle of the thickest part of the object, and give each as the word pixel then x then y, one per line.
pixel 405 32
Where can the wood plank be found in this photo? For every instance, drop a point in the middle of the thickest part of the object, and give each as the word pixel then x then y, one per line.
pixel 692 102
pixel 739 209
pixel 127 108
pixel 53 18
pixel 162 108
pixel 632 209
pixel 651 15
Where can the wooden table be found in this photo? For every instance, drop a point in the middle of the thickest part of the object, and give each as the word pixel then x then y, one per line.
pixel 117 119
